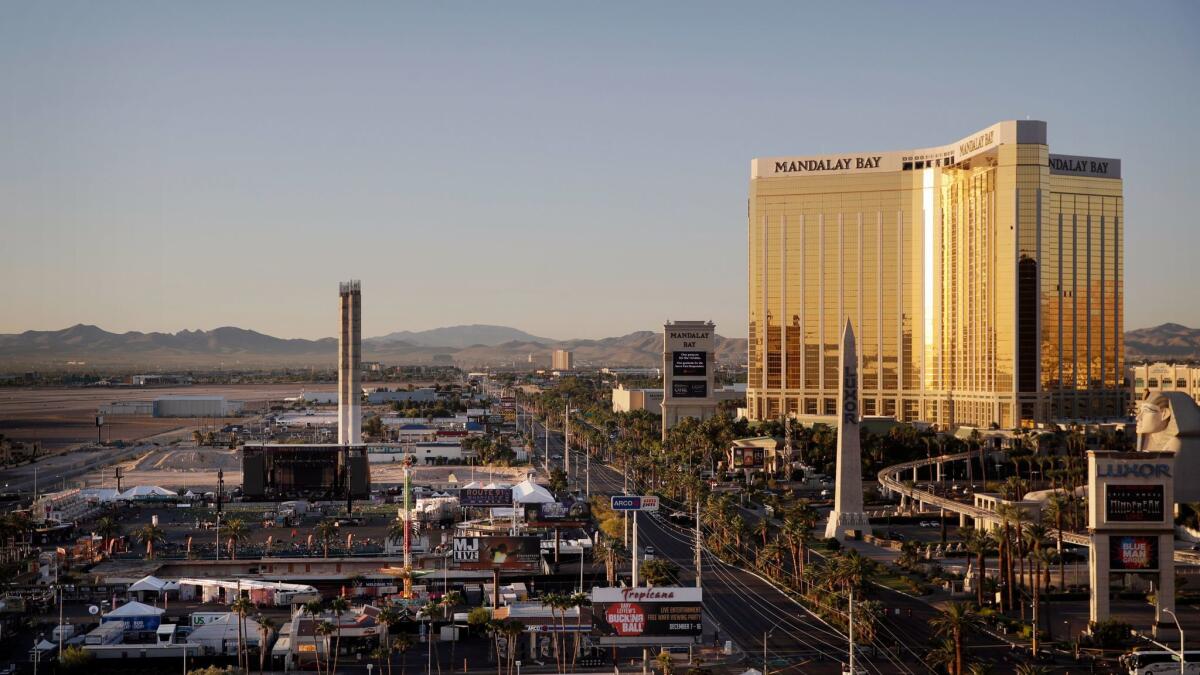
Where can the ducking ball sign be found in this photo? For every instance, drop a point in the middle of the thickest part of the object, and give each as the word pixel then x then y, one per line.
pixel 626 618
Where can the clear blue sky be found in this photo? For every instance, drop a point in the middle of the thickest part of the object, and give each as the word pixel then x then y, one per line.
pixel 572 169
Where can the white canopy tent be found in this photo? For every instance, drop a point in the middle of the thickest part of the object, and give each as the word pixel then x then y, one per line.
pixel 146 492
pixel 528 492
pixel 221 634
pixel 153 584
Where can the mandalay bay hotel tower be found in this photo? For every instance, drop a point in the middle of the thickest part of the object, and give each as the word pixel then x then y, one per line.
pixel 984 280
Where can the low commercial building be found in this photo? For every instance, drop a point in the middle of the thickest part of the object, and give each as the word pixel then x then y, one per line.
pixel 423 395
pixel 425 452
pixel 628 400
pixel 632 371
pixel 196 406
pixel 762 453
pixel 650 400
pixel 64 506
pixel 1161 376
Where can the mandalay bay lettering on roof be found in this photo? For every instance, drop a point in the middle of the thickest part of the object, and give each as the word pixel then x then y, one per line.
pixel 828 164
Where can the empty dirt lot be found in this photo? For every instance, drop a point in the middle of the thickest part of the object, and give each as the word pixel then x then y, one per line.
pixel 63 417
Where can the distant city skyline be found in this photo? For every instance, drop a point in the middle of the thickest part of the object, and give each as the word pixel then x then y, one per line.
pixel 570 171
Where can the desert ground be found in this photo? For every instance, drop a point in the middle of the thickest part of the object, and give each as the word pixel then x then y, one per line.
pixel 182 468
pixel 63 417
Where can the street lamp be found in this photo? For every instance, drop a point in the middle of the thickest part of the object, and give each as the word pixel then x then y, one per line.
pixel 1182 651
pixel 767 634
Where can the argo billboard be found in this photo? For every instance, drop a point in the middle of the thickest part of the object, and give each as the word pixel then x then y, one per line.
pixel 646 615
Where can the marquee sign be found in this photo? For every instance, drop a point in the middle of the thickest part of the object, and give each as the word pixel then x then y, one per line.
pixel 629 615
pixel 1133 503
pixel 1134 553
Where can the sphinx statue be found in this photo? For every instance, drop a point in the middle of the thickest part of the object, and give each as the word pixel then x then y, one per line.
pixel 1169 421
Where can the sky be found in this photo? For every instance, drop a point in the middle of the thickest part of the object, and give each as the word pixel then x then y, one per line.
pixel 570 169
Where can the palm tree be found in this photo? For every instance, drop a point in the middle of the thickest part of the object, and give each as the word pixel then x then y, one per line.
pixel 664 663
pixel 338 606
pixel 265 625
pixel 151 535
pixel 1057 509
pixel 979 668
pixel 324 630
pixel 558 604
pixel 234 530
pixel 954 621
pixel 495 628
pixel 512 629
pixel 449 601
pixel 401 644
pixel 578 601
pixel 241 607
pixel 1031 669
pixel 388 618
pixel 1004 535
pixel 108 528
pixel 325 531
pixel 978 542
pixel 612 552
pixel 763 529
pixel 942 655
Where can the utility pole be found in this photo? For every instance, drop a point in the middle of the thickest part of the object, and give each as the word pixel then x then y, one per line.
pixel 567 443
pixel 1034 645
pixel 60 620
pixel 764 670
pixel 851 632
pixel 698 540
pixel 588 468
pixel 634 551
pixel 625 515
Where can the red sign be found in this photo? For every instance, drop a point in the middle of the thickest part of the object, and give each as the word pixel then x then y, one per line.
pixel 626 618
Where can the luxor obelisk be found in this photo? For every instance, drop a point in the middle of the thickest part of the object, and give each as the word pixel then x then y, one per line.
pixel 847 515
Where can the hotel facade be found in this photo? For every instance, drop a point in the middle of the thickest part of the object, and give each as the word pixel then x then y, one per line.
pixel 984 280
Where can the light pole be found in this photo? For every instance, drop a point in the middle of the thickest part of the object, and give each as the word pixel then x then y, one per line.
pixel 767 634
pixel 1182 651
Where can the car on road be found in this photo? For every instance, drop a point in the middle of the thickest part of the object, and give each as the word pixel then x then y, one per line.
pixel 557 455
pixel 648 553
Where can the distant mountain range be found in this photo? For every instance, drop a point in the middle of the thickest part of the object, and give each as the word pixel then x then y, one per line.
pixel 1168 342
pixel 459 337
pixel 469 346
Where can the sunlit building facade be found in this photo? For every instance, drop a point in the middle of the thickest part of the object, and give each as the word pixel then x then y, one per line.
pixel 984 280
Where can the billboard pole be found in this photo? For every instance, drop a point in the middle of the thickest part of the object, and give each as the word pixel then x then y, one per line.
pixel 697 539
pixel 567 443
pixel 634 552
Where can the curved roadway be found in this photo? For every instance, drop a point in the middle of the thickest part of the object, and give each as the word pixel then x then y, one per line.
pixel 890 479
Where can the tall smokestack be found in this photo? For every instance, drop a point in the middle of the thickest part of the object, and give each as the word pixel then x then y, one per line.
pixel 349 364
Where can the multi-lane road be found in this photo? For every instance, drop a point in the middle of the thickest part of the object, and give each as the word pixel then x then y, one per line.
pixel 742 607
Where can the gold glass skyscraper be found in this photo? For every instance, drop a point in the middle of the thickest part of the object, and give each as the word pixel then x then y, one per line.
pixel 984 280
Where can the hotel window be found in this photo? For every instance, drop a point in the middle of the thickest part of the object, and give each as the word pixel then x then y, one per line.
pixel 1138 383
pixel 830 406
pixel 1181 383
pixel 1154 383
